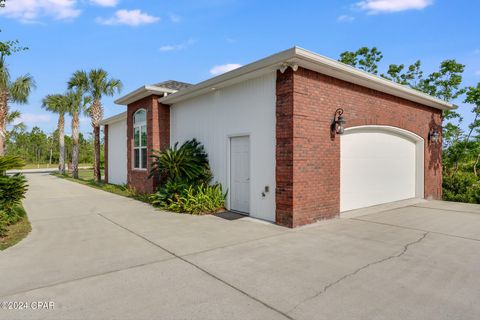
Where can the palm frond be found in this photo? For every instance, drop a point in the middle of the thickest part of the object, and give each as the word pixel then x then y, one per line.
pixel 12 116
pixel 4 75
pixel 56 103
pixel 20 89
pixel 114 85
pixel 79 81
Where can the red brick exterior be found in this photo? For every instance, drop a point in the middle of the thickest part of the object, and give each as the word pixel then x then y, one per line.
pixel 158 138
pixel 105 153
pixel 308 157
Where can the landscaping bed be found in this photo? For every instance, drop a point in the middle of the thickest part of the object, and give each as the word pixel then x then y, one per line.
pixel 185 182
pixel 85 177
pixel 14 224
pixel 13 233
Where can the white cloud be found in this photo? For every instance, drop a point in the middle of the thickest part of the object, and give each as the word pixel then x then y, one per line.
pixel 345 18
pixel 105 3
pixel 32 118
pixel 176 47
pixel 477 72
pixel 216 70
pixel 174 18
pixel 30 11
pixel 129 17
pixel 386 6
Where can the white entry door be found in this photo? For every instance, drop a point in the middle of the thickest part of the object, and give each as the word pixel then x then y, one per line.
pixel 378 166
pixel 240 174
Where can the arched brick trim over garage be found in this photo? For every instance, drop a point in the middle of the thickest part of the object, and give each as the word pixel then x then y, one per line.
pixel 308 159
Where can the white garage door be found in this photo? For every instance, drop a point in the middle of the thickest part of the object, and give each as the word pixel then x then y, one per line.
pixel 379 165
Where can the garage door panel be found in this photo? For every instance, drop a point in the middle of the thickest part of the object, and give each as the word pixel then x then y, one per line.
pixel 377 167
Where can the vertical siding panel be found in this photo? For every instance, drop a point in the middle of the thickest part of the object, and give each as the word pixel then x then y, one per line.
pixel 244 108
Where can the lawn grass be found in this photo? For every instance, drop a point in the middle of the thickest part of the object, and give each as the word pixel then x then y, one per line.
pixel 85 177
pixel 48 166
pixel 15 232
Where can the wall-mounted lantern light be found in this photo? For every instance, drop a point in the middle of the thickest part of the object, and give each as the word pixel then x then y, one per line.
pixel 338 123
pixel 433 136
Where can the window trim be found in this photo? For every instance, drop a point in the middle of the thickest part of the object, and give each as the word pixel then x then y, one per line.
pixel 140 147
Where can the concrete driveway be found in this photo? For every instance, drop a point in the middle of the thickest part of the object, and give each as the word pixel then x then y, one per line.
pixel 100 256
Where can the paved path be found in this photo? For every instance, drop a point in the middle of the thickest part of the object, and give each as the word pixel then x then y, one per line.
pixel 101 256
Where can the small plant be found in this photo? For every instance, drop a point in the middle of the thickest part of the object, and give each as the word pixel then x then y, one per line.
pixel 170 191
pixel 197 200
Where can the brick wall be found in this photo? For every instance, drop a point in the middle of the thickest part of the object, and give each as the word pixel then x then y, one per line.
pixel 105 152
pixel 308 158
pixel 158 138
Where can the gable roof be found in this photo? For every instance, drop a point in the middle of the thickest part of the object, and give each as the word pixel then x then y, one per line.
pixel 160 89
pixel 173 85
pixel 295 57
pixel 115 118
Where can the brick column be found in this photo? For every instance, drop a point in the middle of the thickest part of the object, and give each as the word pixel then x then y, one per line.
pixel 284 149
pixel 158 138
pixel 105 152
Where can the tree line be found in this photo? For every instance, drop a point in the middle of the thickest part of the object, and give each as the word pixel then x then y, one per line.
pixel 37 147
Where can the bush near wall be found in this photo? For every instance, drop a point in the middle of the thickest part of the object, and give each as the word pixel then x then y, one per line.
pixel 185 176
pixel 12 192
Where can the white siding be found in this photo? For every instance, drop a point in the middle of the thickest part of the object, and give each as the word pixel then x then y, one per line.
pixel 247 108
pixel 117 152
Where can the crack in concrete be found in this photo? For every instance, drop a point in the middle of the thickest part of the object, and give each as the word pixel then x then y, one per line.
pixel 208 273
pixel 351 274
pixel 413 228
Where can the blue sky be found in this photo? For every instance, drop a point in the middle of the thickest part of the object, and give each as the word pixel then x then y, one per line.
pixel 143 42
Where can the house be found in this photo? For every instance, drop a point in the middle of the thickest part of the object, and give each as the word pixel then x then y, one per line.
pixel 294 137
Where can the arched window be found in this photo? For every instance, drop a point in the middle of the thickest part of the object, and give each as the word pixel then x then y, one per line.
pixel 140 139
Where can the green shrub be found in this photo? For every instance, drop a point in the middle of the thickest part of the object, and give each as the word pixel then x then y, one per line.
pixel 12 187
pixel 12 191
pixel 170 191
pixel 461 187
pixel 187 163
pixel 10 162
pixel 185 174
pixel 197 200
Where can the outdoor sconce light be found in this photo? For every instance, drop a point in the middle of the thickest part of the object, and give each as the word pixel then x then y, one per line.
pixel 433 136
pixel 338 123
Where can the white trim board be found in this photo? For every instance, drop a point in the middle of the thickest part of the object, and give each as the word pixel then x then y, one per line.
pixel 295 57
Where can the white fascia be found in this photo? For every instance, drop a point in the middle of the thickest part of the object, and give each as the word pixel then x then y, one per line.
pixel 115 118
pixel 143 92
pixel 295 57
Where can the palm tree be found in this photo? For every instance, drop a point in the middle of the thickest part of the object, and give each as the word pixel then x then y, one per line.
pixel 59 104
pixel 16 91
pixel 78 104
pixel 97 83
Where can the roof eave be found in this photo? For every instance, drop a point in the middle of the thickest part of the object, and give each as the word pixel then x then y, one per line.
pixel 315 62
pixel 142 92
pixel 115 118
pixel 342 71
